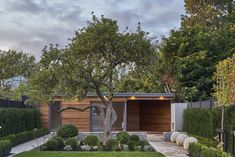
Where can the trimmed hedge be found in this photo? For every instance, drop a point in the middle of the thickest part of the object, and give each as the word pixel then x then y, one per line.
pixel 204 122
pixel 5 147
pixel 15 120
pixel 25 136
pixel 199 150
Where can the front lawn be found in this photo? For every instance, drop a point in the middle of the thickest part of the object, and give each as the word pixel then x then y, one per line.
pixel 88 154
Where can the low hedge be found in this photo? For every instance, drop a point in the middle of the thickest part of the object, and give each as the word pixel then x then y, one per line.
pixel 206 141
pixel 199 150
pixel 15 120
pixel 5 147
pixel 25 136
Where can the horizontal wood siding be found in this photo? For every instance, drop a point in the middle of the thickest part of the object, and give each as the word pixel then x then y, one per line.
pixel 44 110
pixel 133 118
pixel 77 118
pixel 155 115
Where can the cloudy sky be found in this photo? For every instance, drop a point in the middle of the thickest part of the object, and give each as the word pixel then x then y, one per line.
pixel 29 25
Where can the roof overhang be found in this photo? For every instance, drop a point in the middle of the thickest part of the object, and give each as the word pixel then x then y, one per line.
pixel 139 96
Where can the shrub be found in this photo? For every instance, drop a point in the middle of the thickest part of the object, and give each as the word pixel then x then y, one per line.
pixel 68 130
pixel 206 141
pixel 68 148
pixel 25 136
pixel 111 145
pixel 131 145
pixel 5 147
pixel 15 120
pixel 51 145
pixel 72 142
pixel 134 138
pixel 123 137
pixel 148 148
pixel 199 150
pixel 59 142
pixel 91 140
pixel 142 143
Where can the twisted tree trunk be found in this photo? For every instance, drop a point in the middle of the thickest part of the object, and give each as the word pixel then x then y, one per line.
pixel 107 121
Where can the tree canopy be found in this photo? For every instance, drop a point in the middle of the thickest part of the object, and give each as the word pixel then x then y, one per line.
pixel 92 62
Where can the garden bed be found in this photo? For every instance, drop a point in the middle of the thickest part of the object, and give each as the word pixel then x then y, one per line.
pixel 89 154
pixel 68 139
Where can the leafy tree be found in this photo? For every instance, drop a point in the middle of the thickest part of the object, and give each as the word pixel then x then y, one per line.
pixel 92 63
pixel 191 55
pixel 223 88
pixel 13 63
pixel 210 13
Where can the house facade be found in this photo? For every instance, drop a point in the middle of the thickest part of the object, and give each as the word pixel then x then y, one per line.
pixel 149 112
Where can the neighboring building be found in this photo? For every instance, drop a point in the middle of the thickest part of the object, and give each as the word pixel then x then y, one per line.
pixel 149 112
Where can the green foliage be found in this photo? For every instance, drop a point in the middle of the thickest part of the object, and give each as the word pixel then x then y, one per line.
pixel 224 82
pixel 15 120
pixel 111 145
pixel 91 140
pixel 67 130
pixel 191 54
pixel 13 63
pixel 25 136
pixel 206 141
pixel 131 145
pixel 123 137
pixel 142 143
pixel 134 138
pixel 199 150
pixel 51 145
pixel 5 147
pixel 195 120
pixel 72 142
pixel 59 142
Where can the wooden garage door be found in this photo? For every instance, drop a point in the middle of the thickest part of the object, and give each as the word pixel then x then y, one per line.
pixel 155 115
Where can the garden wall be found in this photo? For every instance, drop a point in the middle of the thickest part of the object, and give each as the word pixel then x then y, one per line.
pixel 15 120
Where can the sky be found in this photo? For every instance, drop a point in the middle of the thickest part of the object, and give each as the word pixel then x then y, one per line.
pixel 29 25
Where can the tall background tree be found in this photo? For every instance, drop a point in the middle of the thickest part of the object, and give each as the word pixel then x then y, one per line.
pixel 14 64
pixel 191 52
pixel 92 62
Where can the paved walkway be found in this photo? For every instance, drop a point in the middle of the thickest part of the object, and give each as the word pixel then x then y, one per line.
pixel 29 145
pixel 169 149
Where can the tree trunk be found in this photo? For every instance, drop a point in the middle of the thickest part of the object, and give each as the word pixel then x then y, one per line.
pixel 222 126
pixel 107 121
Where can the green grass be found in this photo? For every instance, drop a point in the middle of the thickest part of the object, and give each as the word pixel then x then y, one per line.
pixel 88 154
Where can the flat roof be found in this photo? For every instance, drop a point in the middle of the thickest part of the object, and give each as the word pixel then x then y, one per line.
pixel 169 95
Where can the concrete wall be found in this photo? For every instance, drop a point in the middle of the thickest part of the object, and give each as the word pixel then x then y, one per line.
pixel 177 110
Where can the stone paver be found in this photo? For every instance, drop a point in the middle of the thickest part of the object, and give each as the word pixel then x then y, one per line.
pixel 29 145
pixel 169 149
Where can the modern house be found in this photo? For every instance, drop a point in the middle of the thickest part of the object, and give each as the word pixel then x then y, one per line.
pixel 150 112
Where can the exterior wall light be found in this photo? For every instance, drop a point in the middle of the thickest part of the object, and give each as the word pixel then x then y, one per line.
pixel 161 98
pixel 133 98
